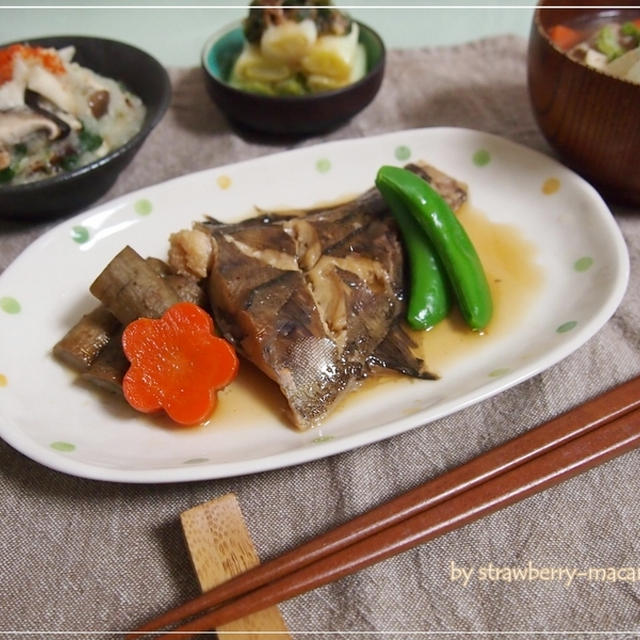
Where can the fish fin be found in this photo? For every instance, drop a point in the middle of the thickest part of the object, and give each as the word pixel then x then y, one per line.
pixel 395 352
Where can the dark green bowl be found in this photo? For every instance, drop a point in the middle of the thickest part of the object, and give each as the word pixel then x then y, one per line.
pixel 289 115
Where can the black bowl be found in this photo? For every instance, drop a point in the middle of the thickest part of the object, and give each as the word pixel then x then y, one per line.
pixel 289 115
pixel 69 192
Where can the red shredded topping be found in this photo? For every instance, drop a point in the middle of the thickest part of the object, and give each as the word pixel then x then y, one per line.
pixel 49 59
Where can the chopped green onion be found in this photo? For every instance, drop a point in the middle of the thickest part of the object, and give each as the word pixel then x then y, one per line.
pixel 70 162
pixel 19 150
pixel 6 175
pixel 89 141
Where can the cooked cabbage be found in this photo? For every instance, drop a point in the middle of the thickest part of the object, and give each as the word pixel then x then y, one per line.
pixel 292 58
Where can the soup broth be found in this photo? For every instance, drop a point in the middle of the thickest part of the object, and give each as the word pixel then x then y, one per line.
pixel 608 41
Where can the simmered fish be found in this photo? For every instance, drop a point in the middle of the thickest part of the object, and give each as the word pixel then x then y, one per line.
pixel 316 299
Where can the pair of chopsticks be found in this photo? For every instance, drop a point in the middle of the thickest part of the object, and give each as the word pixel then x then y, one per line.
pixel 576 441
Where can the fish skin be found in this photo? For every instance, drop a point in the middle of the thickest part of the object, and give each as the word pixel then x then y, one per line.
pixel 316 298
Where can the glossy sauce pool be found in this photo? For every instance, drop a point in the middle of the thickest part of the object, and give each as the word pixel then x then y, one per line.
pixel 514 276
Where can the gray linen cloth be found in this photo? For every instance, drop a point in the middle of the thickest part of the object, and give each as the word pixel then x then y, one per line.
pixel 80 556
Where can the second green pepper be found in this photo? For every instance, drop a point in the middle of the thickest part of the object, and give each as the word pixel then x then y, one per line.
pixel 450 241
pixel 429 300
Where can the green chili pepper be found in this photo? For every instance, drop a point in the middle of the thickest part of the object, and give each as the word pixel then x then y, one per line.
pixel 450 241
pixel 429 297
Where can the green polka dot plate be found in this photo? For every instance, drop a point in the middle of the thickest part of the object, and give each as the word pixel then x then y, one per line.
pixel 48 416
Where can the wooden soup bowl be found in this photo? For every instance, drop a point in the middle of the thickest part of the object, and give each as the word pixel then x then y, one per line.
pixel 591 119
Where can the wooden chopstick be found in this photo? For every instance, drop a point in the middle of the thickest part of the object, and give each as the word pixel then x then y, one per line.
pixel 417 515
pixel 578 455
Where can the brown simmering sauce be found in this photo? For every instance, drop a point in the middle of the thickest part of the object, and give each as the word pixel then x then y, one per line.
pixel 515 278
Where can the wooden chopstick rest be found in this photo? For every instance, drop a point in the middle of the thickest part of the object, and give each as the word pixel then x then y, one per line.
pixel 220 548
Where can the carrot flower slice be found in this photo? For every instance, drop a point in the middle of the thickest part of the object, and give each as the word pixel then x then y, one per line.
pixel 177 364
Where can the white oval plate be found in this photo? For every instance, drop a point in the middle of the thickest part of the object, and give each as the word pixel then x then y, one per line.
pixel 48 416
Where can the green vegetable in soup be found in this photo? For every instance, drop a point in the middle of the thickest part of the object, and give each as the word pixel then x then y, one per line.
pixel 607 43
pixel 632 30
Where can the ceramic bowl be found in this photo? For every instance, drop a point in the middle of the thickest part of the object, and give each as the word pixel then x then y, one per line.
pixel 69 192
pixel 289 115
pixel 588 117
